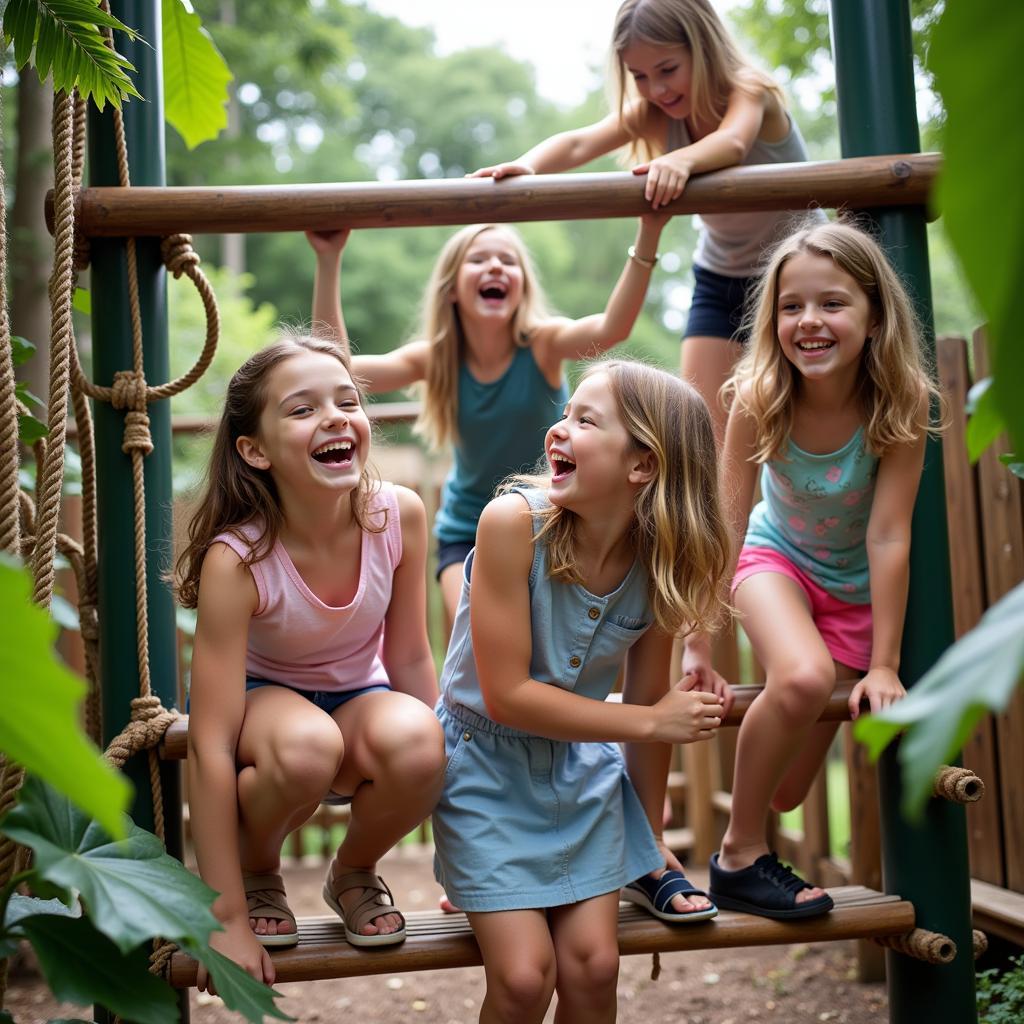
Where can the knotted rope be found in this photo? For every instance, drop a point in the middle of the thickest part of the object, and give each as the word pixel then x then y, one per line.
pixel 921 944
pixel 958 785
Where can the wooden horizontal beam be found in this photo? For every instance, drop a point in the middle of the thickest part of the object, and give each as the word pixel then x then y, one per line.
pixel 439 941
pixel 175 742
pixel 904 180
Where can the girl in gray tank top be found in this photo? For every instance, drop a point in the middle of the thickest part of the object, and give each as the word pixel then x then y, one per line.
pixel 688 101
pixel 574 577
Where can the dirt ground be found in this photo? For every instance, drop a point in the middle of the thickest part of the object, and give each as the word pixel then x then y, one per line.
pixel 772 985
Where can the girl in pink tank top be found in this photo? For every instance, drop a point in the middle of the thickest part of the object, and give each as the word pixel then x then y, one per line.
pixel 312 676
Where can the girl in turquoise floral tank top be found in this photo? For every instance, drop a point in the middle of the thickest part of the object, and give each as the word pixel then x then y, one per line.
pixel 833 400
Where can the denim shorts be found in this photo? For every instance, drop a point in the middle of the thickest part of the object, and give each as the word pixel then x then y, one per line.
pixel 325 700
pixel 716 309
pixel 452 552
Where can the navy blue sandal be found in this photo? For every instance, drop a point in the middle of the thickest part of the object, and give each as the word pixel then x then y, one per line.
pixel 655 896
pixel 767 888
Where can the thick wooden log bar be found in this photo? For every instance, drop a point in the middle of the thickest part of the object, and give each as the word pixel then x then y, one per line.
pixel 438 941
pixel 175 743
pixel 904 180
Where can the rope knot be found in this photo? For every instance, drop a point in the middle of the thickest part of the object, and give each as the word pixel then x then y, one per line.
pixel 145 709
pixel 89 621
pixel 178 254
pixel 129 390
pixel 136 433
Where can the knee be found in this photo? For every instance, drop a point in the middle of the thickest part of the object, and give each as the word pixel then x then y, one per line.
pixel 802 690
pixel 788 797
pixel 304 761
pixel 409 741
pixel 592 972
pixel 522 988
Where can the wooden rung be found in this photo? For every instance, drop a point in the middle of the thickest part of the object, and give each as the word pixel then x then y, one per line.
pixel 175 743
pixel 439 941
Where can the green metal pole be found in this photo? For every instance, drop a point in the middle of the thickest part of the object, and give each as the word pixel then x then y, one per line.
pixel 112 351
pixel 925 862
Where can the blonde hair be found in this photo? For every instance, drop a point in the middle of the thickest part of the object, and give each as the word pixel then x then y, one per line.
pixel 236 493
pixel 679 534
pixel 719 67
pixel 893 374
pixel 441 326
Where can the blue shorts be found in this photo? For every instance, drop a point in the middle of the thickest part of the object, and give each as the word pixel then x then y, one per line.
pixel 325 700
pixel 717 306
pixel 452 552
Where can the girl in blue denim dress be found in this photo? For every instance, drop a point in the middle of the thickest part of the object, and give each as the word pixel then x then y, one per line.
pixel 598 566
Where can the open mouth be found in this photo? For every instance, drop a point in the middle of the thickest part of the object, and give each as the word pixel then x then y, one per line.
pixel 334 453
pixel 493 291
pixel 562 466
pixel 815 345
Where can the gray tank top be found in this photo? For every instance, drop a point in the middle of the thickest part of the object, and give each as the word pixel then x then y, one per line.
pixel 736 244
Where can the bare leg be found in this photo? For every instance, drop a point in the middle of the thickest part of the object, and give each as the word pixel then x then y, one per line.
pixel 451 589
pixel 587 955
pixel 706 363
pixel 290 751
pixel 800 677
pixel 394 765
pixel 519 962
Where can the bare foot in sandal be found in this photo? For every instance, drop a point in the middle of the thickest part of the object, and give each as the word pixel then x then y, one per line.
pixel 365 905
pixel 270 917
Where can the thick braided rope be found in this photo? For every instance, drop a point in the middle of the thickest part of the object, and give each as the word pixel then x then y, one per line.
pixel 9 490
pixel 921 944
pixel 980 942
pixel 51 471
pixel 958 785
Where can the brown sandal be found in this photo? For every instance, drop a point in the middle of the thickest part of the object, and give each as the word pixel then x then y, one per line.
pixel 367 908
pixel 264 897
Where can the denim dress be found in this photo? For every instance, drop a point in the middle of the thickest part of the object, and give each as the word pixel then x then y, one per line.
pixel 527 822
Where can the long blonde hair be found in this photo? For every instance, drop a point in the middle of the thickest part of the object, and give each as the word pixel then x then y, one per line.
pixel 441 326
pixel 893 375
pixel 679 534
pixel 235 493
pixel 718 65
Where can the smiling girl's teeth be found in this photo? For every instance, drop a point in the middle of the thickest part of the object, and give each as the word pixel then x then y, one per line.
pixel 333 446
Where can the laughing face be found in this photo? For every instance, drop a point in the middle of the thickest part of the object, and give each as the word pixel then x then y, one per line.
pixel 824 317
pixel 663 76
pixel 489 281
pixel 313 431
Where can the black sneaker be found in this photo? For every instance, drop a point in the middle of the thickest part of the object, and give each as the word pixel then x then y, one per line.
pixel 767 888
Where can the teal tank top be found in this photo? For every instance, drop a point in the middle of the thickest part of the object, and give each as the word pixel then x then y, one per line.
pixel 501 427
pixel 815 512
pixel 579 639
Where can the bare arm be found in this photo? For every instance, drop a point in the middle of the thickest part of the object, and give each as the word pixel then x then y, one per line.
pixel 888 546
pixel 406 652
pixel 591 335
pixel 563 151
pixel 502 640
pixel 387 371
pixel 227 600
pixel 727 145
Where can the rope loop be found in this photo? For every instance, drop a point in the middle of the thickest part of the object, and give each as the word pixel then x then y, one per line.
pixel 136 433
pixel 178 254
pixel 146 709
pixel 144 731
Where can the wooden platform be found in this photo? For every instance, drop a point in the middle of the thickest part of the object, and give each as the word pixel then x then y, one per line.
pixel 998 911
pixel 437 941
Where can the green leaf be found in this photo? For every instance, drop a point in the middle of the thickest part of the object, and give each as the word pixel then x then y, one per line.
pixel 82 966
pixel 975 55
pixel 986 422
pixel 1012 461
pixel 41 700
pixel 240 991
pixel 977 674
pixel 64 36
pixel 132 889
pixel 20 907
pixel 30 429
pixel 195 76
pixel 22 350
pixel 82 301
pixel 21 391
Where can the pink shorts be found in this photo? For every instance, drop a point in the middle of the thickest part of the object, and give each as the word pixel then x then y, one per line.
pixel 845 627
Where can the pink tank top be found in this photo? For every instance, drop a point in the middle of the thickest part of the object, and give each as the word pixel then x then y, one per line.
pixel 295 638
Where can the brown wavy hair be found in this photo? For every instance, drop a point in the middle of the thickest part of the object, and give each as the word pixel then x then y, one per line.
pixel 234 493
pixel 719 67
pixel 894 374
pixel 679 534
pixel 441 326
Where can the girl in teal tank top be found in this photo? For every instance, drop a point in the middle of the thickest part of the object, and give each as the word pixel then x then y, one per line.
pixel 833 400
pixel 594 568
pixel 489 359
